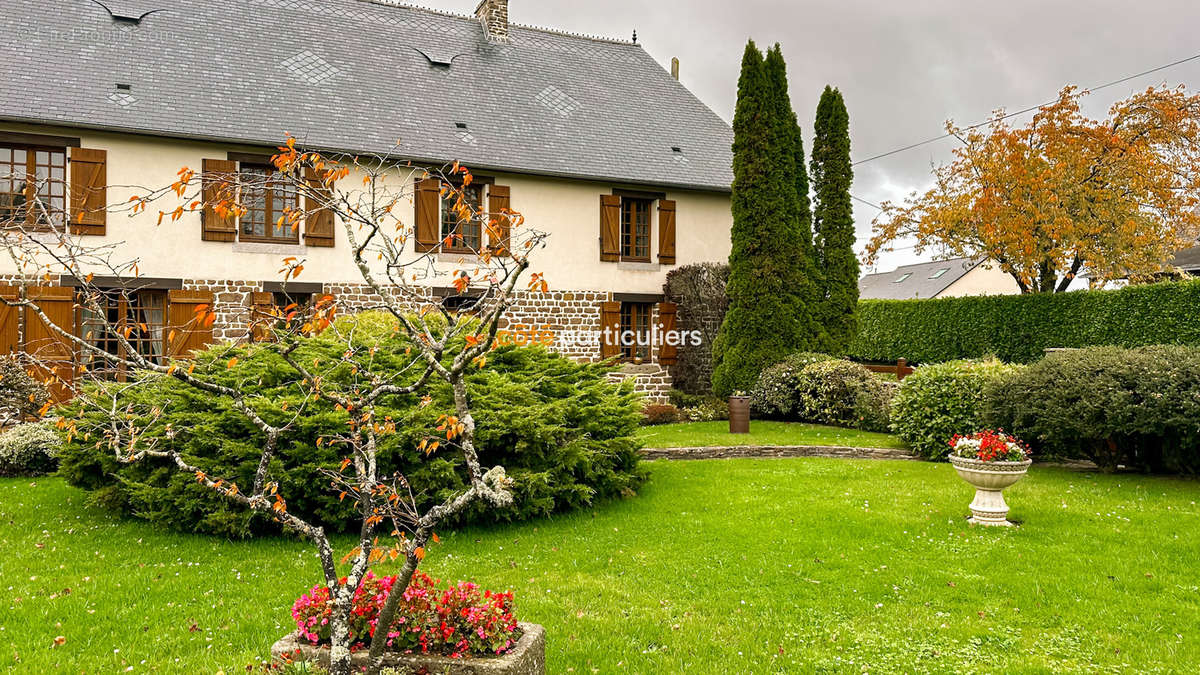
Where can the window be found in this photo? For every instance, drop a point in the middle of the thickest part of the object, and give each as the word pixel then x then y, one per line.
pixel 33 185
pixel 635 229
pixel 939 273
pixel 465 231
pixel 138 315
pixel 902 277
pixel 267 199
pixel 634 339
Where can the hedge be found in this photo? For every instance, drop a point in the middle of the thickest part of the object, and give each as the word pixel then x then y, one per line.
pixel 1018 328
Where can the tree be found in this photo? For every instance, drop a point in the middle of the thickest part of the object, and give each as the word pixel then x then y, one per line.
pixel 768 288
pixel 363 194
pixel 833 219
pixel 1064 193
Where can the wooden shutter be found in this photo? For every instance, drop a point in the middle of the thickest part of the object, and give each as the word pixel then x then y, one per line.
pixel 610 228
pixel 10 322
pixel 217 185
pixel 428 202
pixel 319 225
pixel 187 328
pixel 668 352
pixel 53 354
pixel 89 191
pixel 500 226
pixel 666 231
pixel 610 319
pixel 262 307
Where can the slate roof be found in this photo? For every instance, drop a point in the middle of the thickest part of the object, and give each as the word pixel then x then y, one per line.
pixel 360 75
pixel 920 282
pixel 1187 260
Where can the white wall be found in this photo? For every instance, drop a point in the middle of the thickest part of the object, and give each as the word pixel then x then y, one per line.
pixel 567 210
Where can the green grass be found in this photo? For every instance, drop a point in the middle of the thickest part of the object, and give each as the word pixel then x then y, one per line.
pixel 763 566
pixel 762 432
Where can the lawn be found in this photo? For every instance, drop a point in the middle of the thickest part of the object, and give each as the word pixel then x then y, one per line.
pixel 762 432
pixel 785 565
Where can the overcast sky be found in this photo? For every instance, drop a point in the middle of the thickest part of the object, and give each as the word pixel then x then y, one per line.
pixel 903 67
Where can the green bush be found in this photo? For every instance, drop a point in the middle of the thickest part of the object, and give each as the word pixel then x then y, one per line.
pixel 711 409
pixel 21 396
pixel 1134 407
pixel 942 399
pixel 1018 328
pixel 29 450
pixel 563 432
pixel 841 393
pixel 655 414
pixel 777 390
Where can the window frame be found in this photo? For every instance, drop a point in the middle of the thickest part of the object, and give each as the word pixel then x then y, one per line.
pixel 628 237
pixel 124 302
pixel 445 208
pixel 632 316
pixel 32 221
pixel 270 217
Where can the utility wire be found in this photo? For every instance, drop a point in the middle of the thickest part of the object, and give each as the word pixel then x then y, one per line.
pixel 1024 110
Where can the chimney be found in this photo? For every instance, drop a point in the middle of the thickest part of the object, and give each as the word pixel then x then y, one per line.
pixel 675 67
pixel 493 14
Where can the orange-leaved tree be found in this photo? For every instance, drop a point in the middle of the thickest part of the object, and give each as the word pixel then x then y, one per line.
pixel 1065 193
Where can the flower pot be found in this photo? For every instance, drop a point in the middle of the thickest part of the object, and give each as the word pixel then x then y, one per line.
pixel 989 480
pixel 527 657
pixel 739 414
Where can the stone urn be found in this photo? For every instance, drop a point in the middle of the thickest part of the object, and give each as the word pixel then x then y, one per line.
pixel 527 657
pixel 989 480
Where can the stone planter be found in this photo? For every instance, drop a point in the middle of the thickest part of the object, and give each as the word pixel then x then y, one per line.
pixel 527 657
pixel 989 480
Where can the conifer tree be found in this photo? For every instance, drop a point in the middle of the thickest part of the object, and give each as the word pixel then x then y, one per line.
pixel 833 219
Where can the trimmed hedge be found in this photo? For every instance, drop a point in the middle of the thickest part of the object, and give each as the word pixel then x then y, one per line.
pixel 1018 328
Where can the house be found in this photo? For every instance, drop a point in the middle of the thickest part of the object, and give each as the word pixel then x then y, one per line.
pixel 1187 261
pixel 589 138
pixel 938 279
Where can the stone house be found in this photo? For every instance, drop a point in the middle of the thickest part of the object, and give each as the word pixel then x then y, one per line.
pixel 589 138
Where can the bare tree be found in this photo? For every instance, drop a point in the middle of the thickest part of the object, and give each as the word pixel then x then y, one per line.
pixel 365 196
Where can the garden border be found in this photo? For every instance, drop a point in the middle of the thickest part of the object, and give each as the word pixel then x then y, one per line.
pixel 732 451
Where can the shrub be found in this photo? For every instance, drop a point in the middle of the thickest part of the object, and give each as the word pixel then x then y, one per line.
pixel 563 432
pixel 21 396
pixel 1018 328
pixel 29 450
pixel 699 292
pixel 458 620
pixel 776 392
pixel 1134 407
pixel 873 409
pixel 711 409
pixel 837 392
pixel 659 414
pixel 940 400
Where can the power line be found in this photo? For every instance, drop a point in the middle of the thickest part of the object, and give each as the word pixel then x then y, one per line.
pixel 870 204
pixel 1025 110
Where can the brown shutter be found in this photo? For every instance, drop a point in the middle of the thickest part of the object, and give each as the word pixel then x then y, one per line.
pixel 10 322
pixel 666 231
pixel 319 228
pixel 499 203
pixel 53 354
pixel 262 306
pixel 668 353
pixel 188 329
pixel 610 228
pixel 610 319
pixel 428 202
pixel 89 191
pixel 216 186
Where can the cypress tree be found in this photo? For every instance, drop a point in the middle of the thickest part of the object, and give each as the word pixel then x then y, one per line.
pixel 833 219
pixel 768 316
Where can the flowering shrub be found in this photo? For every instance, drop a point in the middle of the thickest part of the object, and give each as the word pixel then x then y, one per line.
pixel 29 450
pixel 989 446
pixel 775 393
pixel 456 621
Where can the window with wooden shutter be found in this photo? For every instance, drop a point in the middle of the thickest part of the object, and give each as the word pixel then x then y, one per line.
pixel 33 186
pixel 10 321
pixel 610 329
pixel 668 350
pixel 499 223
pixel 610 228
pixel 53 354
pixel 217 185
pixel 137 315
pixel 89 191
pixel 189 322
pixel 428 207
pixel 666 231
pixel 319 225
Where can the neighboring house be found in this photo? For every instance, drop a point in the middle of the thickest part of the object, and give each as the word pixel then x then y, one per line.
pixel 938 279
pixel 1187 261
pixel 589 138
